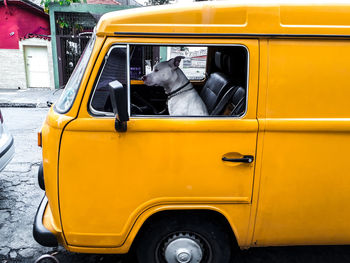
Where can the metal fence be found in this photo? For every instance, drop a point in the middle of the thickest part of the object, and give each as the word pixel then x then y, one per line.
pixel 69 54
pixel 73 31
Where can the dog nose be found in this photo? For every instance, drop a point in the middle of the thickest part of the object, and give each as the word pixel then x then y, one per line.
pixel 144 78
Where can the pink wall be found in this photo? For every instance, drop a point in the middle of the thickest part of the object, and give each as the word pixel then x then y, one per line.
pixel 21 20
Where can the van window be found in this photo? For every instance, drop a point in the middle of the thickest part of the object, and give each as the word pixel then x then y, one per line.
pixel 144 58
pixel 216 76
pixel 114 68
pixel 67 98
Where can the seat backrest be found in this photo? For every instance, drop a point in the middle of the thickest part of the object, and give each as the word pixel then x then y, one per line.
pixel 238 102
pixel 233 103
pixel 216 86
pixel 226 98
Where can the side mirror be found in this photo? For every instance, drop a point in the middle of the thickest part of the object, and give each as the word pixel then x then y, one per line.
pixel 119 104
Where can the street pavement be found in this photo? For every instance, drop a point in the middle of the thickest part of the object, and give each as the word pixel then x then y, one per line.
pixel 20 196
pixel 28 98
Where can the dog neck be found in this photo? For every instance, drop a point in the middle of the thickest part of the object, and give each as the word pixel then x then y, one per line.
pixel 178 89
pixel 178 80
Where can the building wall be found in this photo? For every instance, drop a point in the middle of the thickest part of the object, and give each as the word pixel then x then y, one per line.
pixel 16 22
pixel 12 70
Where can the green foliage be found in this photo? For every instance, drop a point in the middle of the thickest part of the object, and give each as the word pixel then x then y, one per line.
pixel 158 2
pixel 61 23
pixel 46 3
pixel 74 28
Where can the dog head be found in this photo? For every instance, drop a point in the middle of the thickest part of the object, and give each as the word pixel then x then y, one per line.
pixel 164 73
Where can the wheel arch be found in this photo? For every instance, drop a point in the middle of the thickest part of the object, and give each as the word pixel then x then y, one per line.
pixel 162 212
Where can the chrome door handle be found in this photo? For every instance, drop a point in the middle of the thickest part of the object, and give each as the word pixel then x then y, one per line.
pixel 244 159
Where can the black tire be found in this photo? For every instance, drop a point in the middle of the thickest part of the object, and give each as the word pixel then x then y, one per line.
pixel 214 239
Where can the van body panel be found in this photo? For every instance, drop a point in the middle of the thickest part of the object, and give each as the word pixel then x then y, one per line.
pixel 239 17
pixel 111 169
pixel 51 132
pixel 261 110
pixel 304 181
pixel 235 214
pixel 303 193
pixel 310 80
pixel 120 165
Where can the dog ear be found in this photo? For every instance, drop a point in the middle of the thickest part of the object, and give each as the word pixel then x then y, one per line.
pixel 175 62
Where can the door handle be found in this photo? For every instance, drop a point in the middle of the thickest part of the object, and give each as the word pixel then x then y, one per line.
pixel 244 159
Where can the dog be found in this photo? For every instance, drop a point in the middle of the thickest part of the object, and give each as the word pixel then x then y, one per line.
pixel 183 99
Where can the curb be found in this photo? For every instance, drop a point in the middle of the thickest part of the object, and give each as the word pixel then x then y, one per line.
pixel 22 105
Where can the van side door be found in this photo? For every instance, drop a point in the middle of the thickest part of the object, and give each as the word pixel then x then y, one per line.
pixel 305 183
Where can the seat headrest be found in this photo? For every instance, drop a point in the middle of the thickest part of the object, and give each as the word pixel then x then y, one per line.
pixel 234 64
pixel 218 60
pixel 225 62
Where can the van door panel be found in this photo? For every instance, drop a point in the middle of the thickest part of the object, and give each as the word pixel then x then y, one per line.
pixel 107 179
pixel 114 175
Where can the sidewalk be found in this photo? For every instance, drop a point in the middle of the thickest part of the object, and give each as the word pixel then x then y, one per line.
pixel 28 98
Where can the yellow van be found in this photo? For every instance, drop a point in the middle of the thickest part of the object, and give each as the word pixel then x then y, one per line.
pixel 268 165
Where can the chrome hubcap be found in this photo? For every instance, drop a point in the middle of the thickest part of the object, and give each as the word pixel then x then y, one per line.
pixel 183 249
pixel 183 255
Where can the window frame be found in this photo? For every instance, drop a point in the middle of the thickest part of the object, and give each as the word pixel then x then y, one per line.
pixel 93 111
pixel 101 114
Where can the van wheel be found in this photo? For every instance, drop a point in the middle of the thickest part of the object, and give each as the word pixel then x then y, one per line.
pixel 183 240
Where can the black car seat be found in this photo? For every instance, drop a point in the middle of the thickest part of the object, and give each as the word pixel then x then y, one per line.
pixel 238 102
pixel 232 102
pixel 217 84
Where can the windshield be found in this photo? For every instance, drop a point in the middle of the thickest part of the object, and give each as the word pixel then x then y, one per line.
pixel 66 100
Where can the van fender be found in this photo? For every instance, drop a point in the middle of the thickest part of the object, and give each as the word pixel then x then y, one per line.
pixel 146 214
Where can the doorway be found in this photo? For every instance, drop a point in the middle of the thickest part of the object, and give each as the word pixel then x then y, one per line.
pixel 37 66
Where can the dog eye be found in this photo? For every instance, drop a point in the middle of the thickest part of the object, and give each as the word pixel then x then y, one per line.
pixel 155 70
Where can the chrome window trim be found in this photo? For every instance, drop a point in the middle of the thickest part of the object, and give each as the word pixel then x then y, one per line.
pixel 128 77
pixel 109 114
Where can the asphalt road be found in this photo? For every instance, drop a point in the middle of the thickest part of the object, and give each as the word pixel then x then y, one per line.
pixel 20 196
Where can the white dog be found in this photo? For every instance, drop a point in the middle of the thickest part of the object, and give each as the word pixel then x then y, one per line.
pixel 183 99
